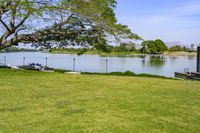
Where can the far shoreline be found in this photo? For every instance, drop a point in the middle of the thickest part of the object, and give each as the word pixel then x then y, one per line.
pixel 112 54
pixel 128 54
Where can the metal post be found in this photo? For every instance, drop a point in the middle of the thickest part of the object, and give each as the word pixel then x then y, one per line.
pixel 24 61
pixel 74 64
pixel 46 61
pixel 186 70
pixel 198 59
pixel 106 66
pixel 5 60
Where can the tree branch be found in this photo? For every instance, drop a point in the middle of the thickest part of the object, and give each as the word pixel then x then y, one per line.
pixel 5 25
pixel 22 21
pixel 12 19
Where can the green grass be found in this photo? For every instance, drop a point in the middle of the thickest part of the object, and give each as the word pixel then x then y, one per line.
pixel 54 102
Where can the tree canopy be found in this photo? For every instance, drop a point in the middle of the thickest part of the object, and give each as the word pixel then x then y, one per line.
pixel 154 47
pixel 60 22
pixel 178 48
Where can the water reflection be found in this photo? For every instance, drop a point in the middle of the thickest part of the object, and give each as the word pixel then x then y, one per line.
pixel 156 61
pixel 191 57
pixel 173 57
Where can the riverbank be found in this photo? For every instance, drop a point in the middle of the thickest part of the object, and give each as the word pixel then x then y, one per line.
pixel 13 49
pixel 103 54
pixel 96 52
pixel 124 54
pixel 52 102
pixel 127 73
pixel 100 53
pixel 180 53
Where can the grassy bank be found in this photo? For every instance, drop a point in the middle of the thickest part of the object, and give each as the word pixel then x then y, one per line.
pixel 180 53
pixel 118 54
pixel 55 102
pixel 132 54
pixel 100 53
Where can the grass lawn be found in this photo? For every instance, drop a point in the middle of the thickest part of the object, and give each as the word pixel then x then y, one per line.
pixel 34 102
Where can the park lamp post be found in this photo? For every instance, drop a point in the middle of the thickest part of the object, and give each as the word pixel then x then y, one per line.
pixel 74 64
pixel 106 66
pixel 198 59
pixel 24 61
pixel 5 60
pixel 46 61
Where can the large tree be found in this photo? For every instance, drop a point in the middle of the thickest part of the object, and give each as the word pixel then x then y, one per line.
pixel 154 47
pixel 60 22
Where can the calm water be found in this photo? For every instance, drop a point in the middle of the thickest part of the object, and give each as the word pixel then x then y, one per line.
pixel 165 66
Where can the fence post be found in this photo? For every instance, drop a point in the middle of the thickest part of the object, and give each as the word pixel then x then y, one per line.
pixel 24 61
pixel 74 64
pixel 106 66
pixel 5 60
pixel 46 61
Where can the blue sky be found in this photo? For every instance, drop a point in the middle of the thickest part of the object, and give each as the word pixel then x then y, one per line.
pixel 169 20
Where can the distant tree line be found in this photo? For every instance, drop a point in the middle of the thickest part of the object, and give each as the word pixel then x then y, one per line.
pixel 124 47
pixel 16 49
pixel 178 48
pixel 158 47
pixel 148 47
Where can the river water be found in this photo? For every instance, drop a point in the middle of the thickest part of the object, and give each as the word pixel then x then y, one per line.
pixel 157 65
